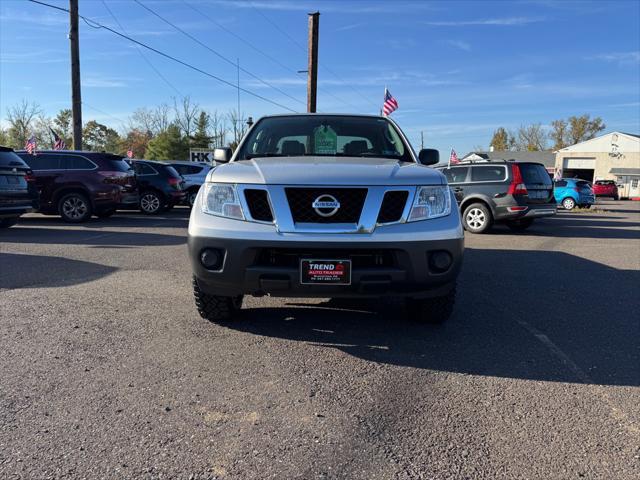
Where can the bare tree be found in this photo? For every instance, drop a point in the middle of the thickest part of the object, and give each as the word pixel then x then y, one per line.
pixel 219 129
pixel 532 138
pixel 186 114
pixel 559 134
pixel 21 119
pixel 238 127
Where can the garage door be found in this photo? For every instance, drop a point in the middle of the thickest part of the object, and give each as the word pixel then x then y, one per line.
pixel 579 163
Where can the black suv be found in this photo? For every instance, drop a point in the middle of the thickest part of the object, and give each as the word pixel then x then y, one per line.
pixel 77 184
pixel 515 193
pixel 161 186
pixel 18 193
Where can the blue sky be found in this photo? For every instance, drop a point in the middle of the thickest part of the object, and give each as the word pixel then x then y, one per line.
pixel 458 69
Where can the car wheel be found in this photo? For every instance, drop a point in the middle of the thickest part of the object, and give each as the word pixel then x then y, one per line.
pixel 150 203
pixel 8 222
pixel 192 198
pixel 520 225
pixel 435 310
pixel 477 218
pixel 105 213
pixel 568 203
pixel 74 208
pixel 213 307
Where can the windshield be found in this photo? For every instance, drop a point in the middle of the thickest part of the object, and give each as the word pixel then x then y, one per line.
pixel 324 135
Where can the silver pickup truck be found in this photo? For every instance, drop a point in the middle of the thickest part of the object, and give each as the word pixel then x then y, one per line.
pixel 318 205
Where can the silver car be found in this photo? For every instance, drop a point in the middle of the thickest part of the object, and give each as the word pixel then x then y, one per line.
pixel 317 205
pixel 194 174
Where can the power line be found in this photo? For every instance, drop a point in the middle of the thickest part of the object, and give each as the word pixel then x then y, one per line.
pixel 144 57
pixel 303 48
pixel 231 62
pixel 170 57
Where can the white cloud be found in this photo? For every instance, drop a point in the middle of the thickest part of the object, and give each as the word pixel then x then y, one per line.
pixel 621 58
pixel 104 82
pixel 507 21
pixel 349 27
pixel 462 45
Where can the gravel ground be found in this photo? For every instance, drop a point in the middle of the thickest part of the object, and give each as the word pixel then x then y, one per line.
pixel 108 372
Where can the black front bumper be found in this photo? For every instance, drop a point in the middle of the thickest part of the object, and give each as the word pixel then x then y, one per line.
pixel 404 268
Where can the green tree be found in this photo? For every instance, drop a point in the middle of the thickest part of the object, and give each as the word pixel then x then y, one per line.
pixel 63 126
pixel 99 137
pixel 583 128
pixel 559 134
pixel 4 137
pixel 168 145
pixel 201 137
pixel 502 140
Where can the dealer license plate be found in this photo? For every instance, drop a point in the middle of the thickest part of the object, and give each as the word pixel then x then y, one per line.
pixel 325 272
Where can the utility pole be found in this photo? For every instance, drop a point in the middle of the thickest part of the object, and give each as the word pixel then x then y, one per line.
pixel 421 140
pixel 312 78
pixel 76 100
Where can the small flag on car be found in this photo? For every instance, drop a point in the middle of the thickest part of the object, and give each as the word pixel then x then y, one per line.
pixel 30 146
pixel 58 143
pixel 453 158
pixel 129 153
pixel 390 104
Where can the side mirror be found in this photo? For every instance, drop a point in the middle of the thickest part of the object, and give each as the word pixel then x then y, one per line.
pixel 222 155
pixel 428 156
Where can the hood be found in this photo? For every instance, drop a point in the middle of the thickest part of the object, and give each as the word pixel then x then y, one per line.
pixel 325 171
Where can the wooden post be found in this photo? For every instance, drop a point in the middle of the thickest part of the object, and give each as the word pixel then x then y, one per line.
pixel 312 79
pixel 76 99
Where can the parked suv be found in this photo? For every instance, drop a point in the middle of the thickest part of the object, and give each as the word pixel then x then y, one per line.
pixel 194 174
pixel 316 205
pixel 515 193
pixel 18 193
pixel 161 187
pixel 606 188
pixel 77 184
pixel 572 192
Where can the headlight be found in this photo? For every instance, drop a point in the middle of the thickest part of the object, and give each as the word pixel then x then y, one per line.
pixel 221 199
pixel 431 202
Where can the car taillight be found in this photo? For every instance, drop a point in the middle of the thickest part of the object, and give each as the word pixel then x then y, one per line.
pixel 174 182
pixel 29 177
pixel 517 186
pixel 577 189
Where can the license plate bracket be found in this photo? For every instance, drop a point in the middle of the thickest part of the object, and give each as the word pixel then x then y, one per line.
pixel 325 272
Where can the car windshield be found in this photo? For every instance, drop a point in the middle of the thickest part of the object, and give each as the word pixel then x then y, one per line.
pixel 9 159
pixel 324 135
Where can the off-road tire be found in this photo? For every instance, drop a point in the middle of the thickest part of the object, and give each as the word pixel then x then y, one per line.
pixel 477 218
pixel 74 208
pixel 215 308
pixel 435 310
pixel 8 222
pixel 520 225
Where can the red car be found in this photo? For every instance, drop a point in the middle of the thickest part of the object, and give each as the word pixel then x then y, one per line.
pixel 606 188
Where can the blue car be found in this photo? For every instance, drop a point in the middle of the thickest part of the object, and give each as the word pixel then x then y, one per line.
pixel 572 192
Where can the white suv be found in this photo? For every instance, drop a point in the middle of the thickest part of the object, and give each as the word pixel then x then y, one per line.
pixel 316 205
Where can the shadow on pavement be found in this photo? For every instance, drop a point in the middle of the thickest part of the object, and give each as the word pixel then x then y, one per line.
pixel 508 303
pixel 560 227
pixel 36 271
pixel 177 218
pixel 74 236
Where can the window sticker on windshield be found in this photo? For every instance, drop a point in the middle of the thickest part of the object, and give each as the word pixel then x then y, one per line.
pixel 326 140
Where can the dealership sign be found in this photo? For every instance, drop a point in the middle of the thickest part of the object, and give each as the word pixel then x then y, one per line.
pixel 201 155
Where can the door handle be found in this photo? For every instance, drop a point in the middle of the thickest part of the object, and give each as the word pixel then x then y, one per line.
pixel 458 189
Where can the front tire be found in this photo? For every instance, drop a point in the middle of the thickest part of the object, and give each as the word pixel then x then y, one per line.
pixel 568 203
pixel 435 310
pixel 74 208
pixel 191 197
pixel 520 225
pixel 477 218
pixel 151 203
pixel 215 308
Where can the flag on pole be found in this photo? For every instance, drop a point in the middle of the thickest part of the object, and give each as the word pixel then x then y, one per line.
pixel 129 153
pixel 30 146
pixel 390 104
pixel 453 157
pixel 58 143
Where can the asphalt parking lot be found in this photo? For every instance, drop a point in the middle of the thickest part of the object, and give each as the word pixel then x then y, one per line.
pixel 108 371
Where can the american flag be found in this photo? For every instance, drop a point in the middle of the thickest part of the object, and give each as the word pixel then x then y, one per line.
pixel 58 143
pixel 30 146
pixel 390 104
pixel 453 158
pixel 129 153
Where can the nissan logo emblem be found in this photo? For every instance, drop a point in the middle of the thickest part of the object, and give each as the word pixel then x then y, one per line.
pixel 326 205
